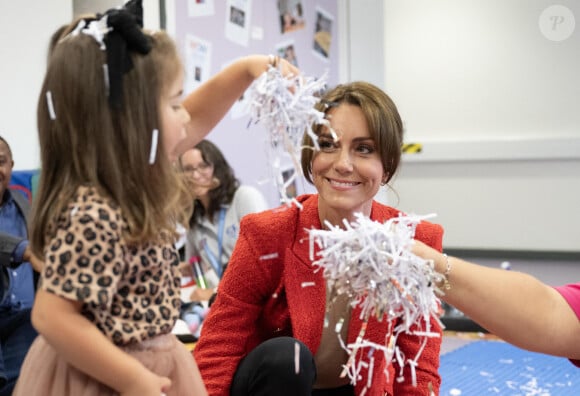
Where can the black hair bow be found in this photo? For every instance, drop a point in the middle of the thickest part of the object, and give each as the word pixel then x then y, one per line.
pixel 126 35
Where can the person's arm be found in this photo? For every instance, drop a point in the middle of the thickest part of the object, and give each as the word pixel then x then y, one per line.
pixel 81 344
pixel 209 103
pixel 512 305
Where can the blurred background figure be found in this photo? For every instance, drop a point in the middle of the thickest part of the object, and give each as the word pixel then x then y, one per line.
pixel 219 206
pixel 17 277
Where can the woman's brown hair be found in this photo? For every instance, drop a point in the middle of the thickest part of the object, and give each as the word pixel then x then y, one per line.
pixel 381 114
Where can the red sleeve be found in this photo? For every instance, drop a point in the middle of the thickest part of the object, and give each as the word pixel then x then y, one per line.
pixel 427 368
pixel 427 365
pixel 431 234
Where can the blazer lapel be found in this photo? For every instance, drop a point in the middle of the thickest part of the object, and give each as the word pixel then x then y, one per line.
pixel 305 288
pixel 306 294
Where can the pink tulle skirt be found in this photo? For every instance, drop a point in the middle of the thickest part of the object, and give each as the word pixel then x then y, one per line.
pixel 45 373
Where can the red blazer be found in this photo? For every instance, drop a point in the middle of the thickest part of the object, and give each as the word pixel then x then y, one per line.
pixel 261 296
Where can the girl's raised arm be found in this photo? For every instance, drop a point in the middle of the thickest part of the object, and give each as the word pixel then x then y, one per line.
pixel 209 103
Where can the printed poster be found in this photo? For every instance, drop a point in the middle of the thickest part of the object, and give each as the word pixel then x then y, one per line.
pixel 197 61
pixel 198 8
pixel 287 50
pixel 322 33
pixel 291 15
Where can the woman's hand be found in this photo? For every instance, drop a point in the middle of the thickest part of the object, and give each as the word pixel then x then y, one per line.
pixel 286 68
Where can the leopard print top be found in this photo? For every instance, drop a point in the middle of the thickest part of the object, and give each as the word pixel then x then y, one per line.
pixel 130 292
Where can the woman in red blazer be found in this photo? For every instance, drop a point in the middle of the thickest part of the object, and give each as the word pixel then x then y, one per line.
pixel 265 334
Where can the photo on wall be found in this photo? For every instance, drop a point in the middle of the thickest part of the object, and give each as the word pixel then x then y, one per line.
pixel 197 61
pixel 198 8
pixel 287 50
pixel 238 19
pixel 322 33
pixel 291 15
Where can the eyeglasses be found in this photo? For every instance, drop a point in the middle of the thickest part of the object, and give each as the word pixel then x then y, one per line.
pixel 202 168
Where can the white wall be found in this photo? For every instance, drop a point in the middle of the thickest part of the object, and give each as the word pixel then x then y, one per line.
pixel 495 104
pixel 25 29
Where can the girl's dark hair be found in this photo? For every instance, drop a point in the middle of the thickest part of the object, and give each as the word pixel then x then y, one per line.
pixel 224 193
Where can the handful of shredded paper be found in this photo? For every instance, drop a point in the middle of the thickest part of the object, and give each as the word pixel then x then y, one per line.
pixel 285 107
pixel 372 264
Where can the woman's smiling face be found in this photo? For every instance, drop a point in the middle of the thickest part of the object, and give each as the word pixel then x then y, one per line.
pixel 348 172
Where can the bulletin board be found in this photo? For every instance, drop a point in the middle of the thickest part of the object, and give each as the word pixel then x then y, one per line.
pixel 210 34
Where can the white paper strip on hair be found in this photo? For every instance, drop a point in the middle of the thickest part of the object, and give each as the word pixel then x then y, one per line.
pixel 153 152
pixel 50 105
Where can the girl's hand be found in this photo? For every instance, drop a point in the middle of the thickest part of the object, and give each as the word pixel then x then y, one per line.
pixel 149 385
pixel 286 68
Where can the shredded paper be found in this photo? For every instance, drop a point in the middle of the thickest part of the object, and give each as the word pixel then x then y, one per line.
pixel 372 264
pixel 285 107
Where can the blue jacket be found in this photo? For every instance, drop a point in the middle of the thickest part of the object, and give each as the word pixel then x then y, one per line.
pixel 8 244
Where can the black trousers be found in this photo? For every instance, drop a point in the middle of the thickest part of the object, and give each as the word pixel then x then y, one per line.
pixel 270 369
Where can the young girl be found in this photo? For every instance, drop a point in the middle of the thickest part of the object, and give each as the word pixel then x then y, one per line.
pixel 111 124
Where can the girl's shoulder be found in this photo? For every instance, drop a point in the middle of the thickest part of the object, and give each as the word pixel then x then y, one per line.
pixel 88 204
pixel 91 198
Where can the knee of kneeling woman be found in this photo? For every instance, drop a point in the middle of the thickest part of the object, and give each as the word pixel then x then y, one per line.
pixel 282 365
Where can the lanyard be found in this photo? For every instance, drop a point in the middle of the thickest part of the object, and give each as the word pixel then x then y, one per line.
pixel 216 261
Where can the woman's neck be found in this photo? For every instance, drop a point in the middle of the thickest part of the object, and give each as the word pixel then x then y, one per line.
pixel 337 218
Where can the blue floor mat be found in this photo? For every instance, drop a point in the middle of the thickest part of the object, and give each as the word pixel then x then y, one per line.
pixel 498 368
